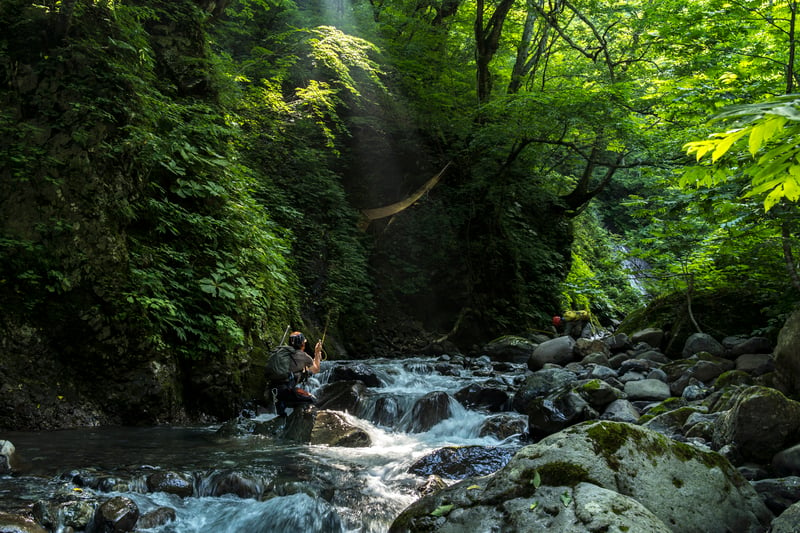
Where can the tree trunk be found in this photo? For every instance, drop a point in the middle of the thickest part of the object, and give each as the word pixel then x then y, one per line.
pixel 487 40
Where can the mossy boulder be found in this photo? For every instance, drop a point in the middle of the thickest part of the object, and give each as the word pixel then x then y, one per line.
pixel 685 489
pixel 760 422
pixel 510 348
pixel 787 356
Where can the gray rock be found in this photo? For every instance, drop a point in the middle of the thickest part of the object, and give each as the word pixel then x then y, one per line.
pixel 602 372
pixel 341 396
pixel 502 426
pixel 654 356
pixel 355 372
pixel 778 494
pixel 624 460
pixel 788 521
pixel 702 342
pixel 584 508
pixel 429 411
pixel 595 359
pixel 558 351
pixel 541 383
pixel 737 346
pixel 598 393
pixel 694 392
pixel 584 347
pixel 658 374
pixel 617 343
pixel 74 513
pixel 458 462
pixel 651 336
pixel 483 396
pixel 787 462
pixel 647 389
pixel 558 410
pixel 787 356
pixel 510 348
pixel 324 427
pixel 621 411
pixel 756 364
pixel 760 422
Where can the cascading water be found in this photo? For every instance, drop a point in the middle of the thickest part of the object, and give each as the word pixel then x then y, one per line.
pixel 316 488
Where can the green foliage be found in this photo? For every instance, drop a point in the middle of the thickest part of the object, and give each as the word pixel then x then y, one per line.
pixel 771 130
pixel 598 278
pixel 140 219
pixel 295 121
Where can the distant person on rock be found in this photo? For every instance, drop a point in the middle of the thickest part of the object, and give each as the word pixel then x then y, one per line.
pixel 289 367
pixel 576 324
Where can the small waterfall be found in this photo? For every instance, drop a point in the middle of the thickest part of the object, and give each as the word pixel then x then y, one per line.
pixel 638 270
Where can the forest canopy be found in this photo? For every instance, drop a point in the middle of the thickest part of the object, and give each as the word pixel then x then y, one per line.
pixel 188 177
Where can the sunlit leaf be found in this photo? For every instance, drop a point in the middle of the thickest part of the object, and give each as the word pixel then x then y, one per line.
pixel 442 510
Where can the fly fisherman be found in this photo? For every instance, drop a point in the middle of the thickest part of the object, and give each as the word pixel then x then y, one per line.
pixel 286 391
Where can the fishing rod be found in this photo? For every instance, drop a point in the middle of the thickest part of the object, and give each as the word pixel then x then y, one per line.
pixel 322 340
pixel 283 339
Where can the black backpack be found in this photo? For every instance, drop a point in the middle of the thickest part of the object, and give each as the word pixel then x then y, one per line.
pixel 279 364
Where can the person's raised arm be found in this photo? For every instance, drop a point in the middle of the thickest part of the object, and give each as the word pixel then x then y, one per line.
pixel 314 369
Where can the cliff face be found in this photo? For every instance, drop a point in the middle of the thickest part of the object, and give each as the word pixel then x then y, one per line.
pixel 93 266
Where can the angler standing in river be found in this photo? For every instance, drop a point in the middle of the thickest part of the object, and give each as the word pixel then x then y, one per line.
pixel 289 367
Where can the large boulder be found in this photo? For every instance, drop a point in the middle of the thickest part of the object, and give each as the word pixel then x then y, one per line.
pixel 647 389
pixel 324 427
pixel 355 372
pixel 650 336
pixel 759 422
pixel 584 508
pixel 429 411
pixel 556 411
pixel 702 342
pixel 787 356
pixel 558 351
pixel 545 485
pixel 736 346
pixel 541 383
pixel 787 521
pixel 341 396
pixel 510 348
pixel 483 396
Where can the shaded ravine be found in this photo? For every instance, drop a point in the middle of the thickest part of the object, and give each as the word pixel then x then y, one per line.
pixel 250 483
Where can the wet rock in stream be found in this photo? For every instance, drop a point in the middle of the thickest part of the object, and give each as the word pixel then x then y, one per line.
pixel 458 462
pixel 324 427
pixel 13 523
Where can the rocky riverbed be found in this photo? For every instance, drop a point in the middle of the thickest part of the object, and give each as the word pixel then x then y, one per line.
pixel 604 434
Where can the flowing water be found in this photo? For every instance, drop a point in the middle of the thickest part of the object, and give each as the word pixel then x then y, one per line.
pixel 319 488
